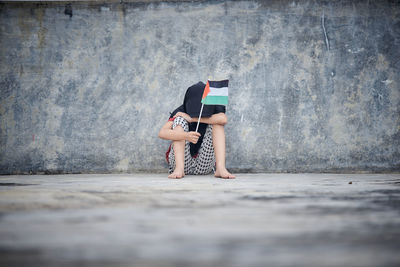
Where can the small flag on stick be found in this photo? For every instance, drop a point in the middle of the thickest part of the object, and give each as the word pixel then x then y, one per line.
pixel 215 93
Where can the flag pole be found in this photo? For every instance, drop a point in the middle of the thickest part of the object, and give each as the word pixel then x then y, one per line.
pixel 201 111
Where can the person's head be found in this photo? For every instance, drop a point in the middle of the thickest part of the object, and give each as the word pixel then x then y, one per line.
pixel 192 102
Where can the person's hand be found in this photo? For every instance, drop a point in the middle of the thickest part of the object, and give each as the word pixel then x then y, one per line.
pixel 192 137
pixel 183 115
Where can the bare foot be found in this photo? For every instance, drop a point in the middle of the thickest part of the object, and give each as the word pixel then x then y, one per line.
pixel 224 174
pixel 177 174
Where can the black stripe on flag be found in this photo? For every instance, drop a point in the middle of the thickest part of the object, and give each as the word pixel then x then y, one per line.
pixel 218 84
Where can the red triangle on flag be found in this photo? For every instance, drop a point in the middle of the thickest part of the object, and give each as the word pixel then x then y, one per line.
pixel 206 90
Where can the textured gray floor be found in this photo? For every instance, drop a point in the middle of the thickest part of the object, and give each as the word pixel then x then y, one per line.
pixel 149 220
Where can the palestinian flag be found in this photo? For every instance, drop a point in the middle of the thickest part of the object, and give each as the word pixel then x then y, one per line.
pixel 215 93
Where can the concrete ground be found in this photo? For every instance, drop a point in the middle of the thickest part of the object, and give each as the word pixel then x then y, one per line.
pixel 149 220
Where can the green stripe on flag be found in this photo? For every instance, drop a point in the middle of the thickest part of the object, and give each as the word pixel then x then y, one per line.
pixel 215 100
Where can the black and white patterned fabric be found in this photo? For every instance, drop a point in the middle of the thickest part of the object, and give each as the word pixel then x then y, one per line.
pixel 204 162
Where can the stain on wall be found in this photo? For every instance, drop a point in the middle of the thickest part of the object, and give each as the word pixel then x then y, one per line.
pixel 314 86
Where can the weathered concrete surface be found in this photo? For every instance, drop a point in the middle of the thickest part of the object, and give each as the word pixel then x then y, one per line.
pixel 149 220
pixel 314 85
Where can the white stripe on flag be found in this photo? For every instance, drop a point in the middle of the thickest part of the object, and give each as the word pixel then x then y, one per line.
pixel 223 91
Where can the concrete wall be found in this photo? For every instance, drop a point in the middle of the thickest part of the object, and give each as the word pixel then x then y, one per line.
pixel 314 85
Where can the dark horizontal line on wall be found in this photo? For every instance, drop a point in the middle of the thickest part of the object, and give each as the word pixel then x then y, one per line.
pixel 100 1
pixel 107 1
pixel 283 7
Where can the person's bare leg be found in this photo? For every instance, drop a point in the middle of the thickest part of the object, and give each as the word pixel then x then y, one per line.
pixel 218 133
pixel 179 153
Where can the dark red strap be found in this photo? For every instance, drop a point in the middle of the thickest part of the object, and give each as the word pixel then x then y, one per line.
pixel 167 153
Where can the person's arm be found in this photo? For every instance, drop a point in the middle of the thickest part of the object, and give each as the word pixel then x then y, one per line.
pixel 219 118
pixel 167 133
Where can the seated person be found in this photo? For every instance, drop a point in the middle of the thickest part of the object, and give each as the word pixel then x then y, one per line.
pixel 194 152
